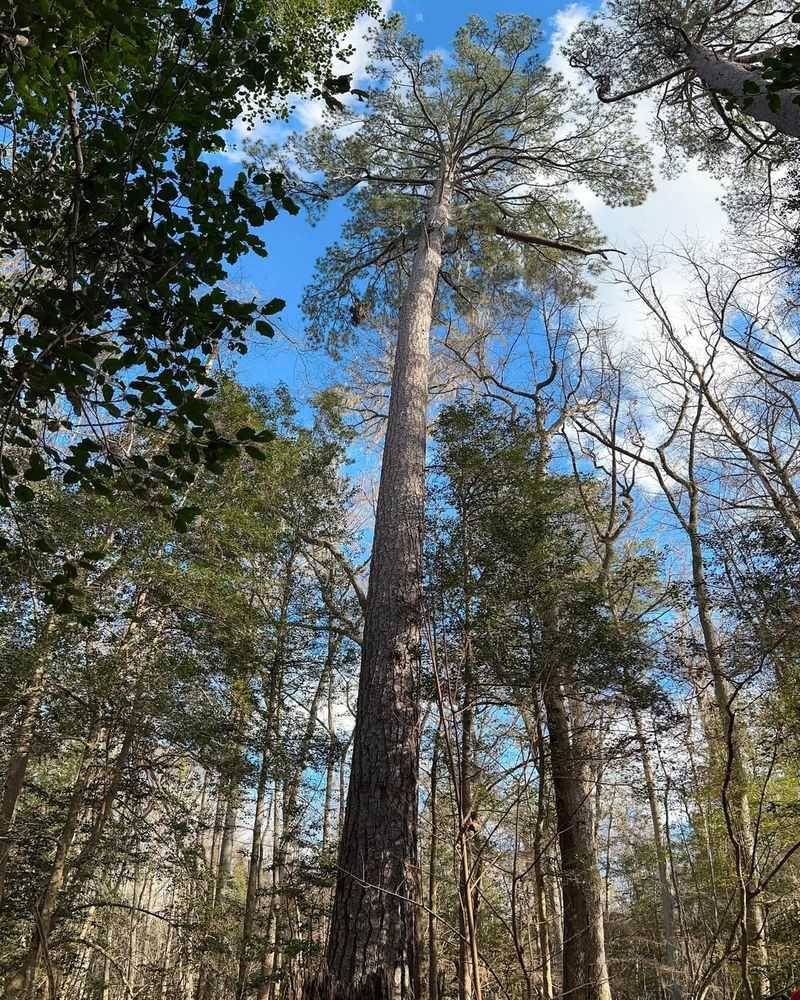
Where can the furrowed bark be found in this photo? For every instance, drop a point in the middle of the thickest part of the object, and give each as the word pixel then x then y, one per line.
pixel 373 927
pixel 585 974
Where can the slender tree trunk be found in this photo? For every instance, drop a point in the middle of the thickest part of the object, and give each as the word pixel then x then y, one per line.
pixel 555 905
pixel 224 872
pixel 269 956
pixel 18 764
pixel 433 945
pixel 165 963
pixel 468 967
pixel 225 867
pixel 330 767
pixel 342 794
pixel 754 954
pixel 211 895
pixel 251 898
pixel 373 927
pixel 542 921
pixel 269 953
pixel 665 885
pixel 21 982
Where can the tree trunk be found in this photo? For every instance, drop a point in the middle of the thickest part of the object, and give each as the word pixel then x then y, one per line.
pixel 736 804
pixel 373 926
pixel 330 766
pixel 469 880
pixel 585 975
pixel 729 79
pixel 18 764
pixel 204 971
pixel 433 946
pixel 251 898
pixel 542 922
pixel 665 886
pixel 269 956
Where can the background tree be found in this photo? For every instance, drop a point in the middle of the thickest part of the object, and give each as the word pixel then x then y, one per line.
pixel 723 72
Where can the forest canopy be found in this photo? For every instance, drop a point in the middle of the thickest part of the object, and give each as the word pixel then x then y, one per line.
pixel 399 553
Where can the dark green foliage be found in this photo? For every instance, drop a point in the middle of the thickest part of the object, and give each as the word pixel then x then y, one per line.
pixel 117 232
pixel 531 555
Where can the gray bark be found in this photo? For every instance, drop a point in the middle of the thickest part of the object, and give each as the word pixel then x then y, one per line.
pixel 730 78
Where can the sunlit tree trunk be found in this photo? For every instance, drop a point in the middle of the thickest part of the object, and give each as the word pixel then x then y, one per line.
pixel 373 926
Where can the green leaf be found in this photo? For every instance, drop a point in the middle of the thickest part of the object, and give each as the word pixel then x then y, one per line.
pixel 184 518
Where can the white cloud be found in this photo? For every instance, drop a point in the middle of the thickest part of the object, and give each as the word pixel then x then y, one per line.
pixel 682 210
pixel 564 22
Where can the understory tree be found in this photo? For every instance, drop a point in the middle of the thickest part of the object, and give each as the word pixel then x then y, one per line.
pixel 118 229
pixel 195 676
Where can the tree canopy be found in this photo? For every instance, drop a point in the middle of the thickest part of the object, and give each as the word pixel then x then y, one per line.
pixel 118 228
pixel 517 140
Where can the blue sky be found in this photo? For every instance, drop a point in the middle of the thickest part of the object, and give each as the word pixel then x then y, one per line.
pixel 294 245
pixel 682 208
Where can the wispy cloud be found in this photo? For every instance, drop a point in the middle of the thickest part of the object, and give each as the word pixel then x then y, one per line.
pixel 682 209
